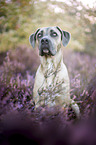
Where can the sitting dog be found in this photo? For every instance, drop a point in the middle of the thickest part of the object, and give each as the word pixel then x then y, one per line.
pixel 52 86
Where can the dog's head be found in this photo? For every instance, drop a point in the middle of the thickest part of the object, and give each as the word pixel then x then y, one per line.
pixel 49 40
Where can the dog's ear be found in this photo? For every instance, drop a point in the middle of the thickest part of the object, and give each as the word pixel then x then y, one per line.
pixel 65 36
pixel 32 38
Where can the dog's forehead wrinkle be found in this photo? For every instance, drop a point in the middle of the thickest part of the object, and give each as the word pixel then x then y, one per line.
pixel 47 29
pixel 44 31
pixel 40 31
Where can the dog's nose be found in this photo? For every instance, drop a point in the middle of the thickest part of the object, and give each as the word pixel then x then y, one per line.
pixel 44 41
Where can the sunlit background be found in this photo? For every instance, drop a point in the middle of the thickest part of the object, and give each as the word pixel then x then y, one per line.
pixel 90 3
pixel 18 19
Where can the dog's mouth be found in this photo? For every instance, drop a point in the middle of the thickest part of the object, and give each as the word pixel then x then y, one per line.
pixel 45 50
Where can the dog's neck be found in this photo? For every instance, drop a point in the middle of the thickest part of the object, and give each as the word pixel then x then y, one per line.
pixel 51 64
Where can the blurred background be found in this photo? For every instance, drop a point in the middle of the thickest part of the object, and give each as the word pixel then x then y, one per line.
pixel 18 19
pixel 19 62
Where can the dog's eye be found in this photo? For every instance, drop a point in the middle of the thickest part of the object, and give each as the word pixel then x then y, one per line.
pixel 39 35
pixel 53 34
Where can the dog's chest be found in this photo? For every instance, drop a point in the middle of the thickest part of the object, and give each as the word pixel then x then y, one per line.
pixel 51 87
pixel 51 80
pixel 50 74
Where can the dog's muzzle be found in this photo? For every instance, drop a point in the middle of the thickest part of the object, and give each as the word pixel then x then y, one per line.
pixel 46 47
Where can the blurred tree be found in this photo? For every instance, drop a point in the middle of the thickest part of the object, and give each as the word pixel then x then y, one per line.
pixel 19 18
pixel 83 19
pixel 11 12
pixel 90 30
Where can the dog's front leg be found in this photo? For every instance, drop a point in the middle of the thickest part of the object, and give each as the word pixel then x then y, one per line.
pixel 75 107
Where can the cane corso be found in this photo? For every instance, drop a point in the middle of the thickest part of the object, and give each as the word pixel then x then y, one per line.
pixel 52 86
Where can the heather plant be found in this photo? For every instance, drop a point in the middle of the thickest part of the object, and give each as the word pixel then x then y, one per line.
pixel 50 94
pixel 17 94
pixel 20 60
pixel 81 68
pixel 80 63
pixel 17 79
pixel 46 125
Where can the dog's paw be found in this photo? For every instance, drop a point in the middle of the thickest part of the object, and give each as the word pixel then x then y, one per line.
pixel 71 114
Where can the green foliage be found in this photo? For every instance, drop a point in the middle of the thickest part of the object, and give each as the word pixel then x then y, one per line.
pixel 21 18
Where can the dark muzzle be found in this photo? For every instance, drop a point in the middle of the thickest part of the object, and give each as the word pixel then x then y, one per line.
pixel 45 48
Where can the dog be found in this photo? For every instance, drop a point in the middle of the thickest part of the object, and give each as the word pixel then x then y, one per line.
pixel 52 85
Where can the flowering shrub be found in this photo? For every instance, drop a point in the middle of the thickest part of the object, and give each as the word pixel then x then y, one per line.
pixel 17 78
pixel 20 60
pixel 46 125
pixel 17 94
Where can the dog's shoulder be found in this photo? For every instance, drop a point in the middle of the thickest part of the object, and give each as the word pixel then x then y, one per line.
pixel 63 73
pixel 39 73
